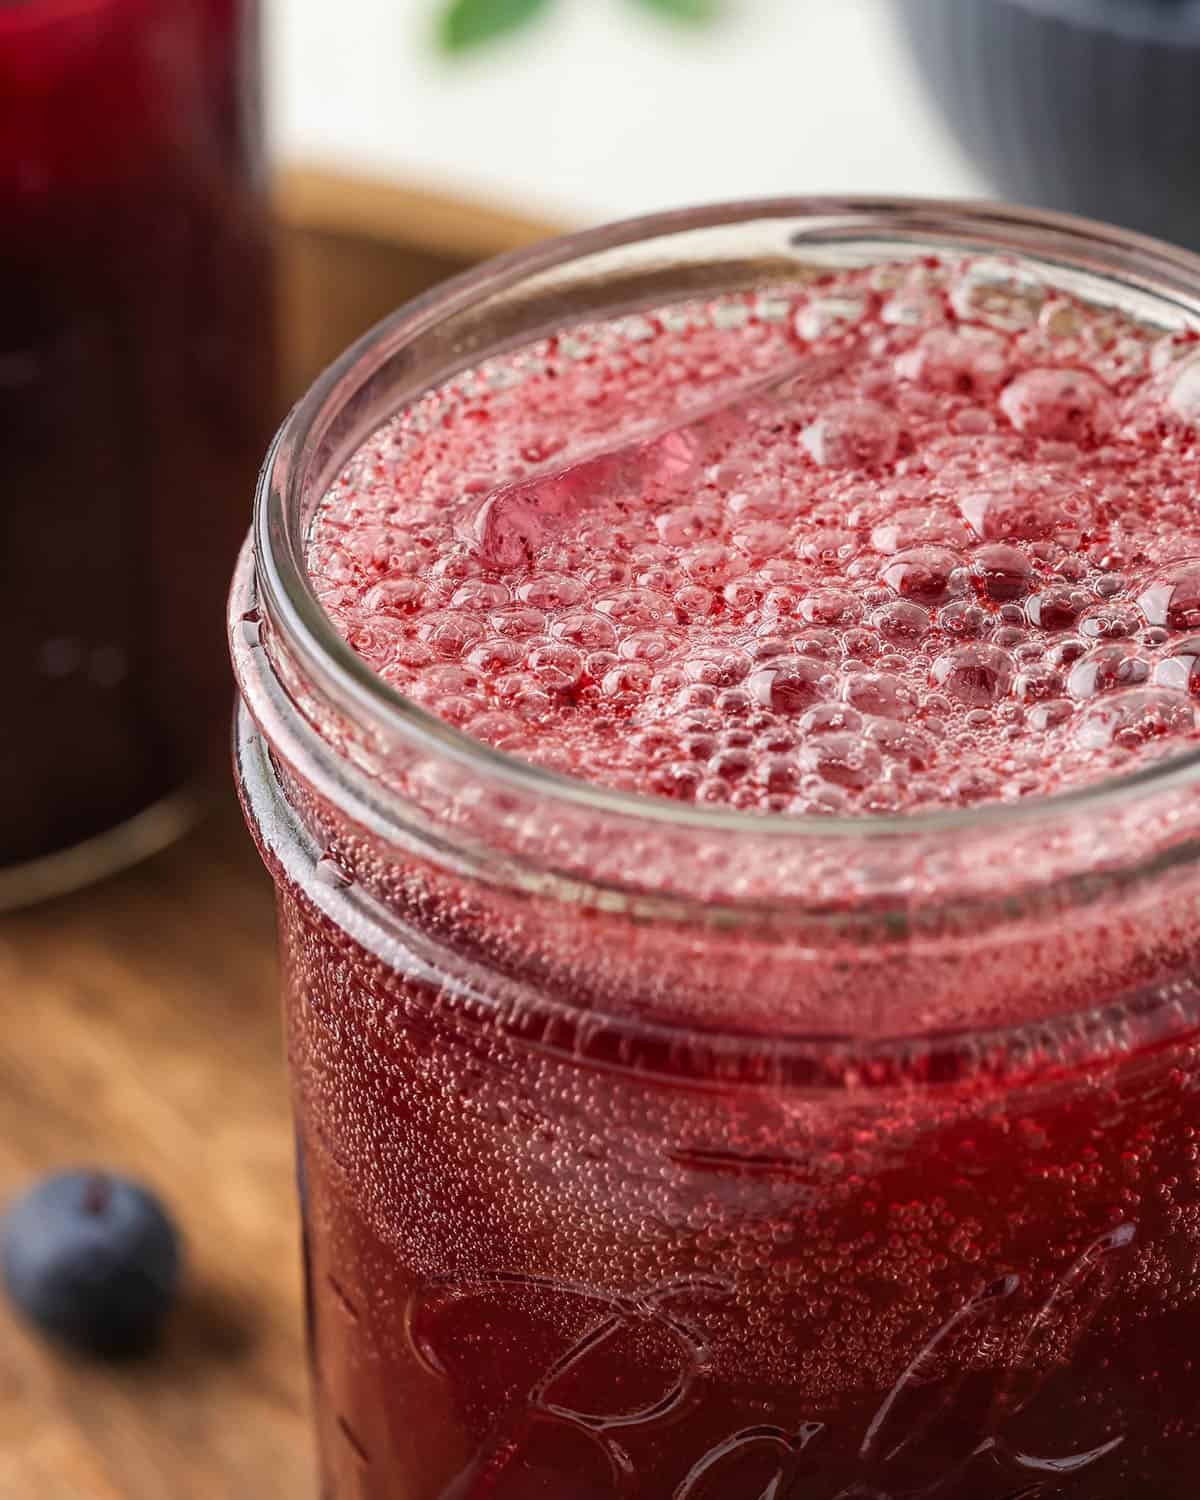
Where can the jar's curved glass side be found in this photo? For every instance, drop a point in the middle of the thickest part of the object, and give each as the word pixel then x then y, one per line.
pixel 628 1187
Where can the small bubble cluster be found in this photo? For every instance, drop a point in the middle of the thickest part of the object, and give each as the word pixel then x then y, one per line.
pixel 896 538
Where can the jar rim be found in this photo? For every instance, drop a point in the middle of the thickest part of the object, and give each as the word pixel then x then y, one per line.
pixel 290 604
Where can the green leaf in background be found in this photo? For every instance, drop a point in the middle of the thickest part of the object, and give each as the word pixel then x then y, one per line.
pixel 685 10
pixel 464 23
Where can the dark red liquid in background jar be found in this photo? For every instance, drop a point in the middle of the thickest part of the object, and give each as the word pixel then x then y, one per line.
pixel 136 393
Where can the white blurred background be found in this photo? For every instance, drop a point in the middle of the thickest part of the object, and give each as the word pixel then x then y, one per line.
pixel 604 110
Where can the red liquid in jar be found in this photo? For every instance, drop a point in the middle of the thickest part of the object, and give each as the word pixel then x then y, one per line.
pixel 136 389
pixel 899 540
pixel 919 561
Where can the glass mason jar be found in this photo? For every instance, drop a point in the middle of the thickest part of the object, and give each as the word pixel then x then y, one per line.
pixel 655 1150
pixel 136 392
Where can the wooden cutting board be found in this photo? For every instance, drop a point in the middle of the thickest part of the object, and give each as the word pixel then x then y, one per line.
pixel 140 1029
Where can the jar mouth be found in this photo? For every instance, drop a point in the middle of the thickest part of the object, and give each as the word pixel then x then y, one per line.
pixel 1148 269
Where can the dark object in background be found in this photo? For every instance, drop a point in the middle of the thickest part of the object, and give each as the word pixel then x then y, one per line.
pixel 1087 105
pixel 136 397
pixel 93 1260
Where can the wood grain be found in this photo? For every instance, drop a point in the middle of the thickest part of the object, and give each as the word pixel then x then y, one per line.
pixel 142 1033
pixel 354 249
pixel 140 1030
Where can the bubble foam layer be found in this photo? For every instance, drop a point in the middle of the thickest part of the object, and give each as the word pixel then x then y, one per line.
pixel 902 538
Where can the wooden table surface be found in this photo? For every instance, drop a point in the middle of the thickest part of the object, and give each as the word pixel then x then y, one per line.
pixel 140 1030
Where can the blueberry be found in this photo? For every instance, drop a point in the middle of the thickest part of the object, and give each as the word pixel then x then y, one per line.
pixel 93 1260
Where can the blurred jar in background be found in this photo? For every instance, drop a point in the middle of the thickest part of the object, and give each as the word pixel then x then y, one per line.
pixel 136 396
